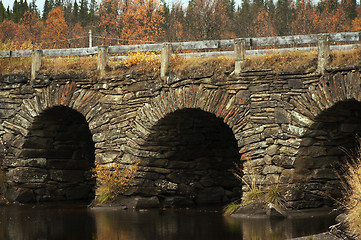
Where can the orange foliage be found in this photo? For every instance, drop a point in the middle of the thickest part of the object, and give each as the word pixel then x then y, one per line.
pixel 30 27
pixel 113 181
pixel 356 25
pixel 263 25
pixel 132 20
pixel 304 17
pixel 55 31
pixel 7 30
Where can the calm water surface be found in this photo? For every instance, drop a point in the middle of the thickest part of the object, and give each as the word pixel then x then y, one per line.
pixel 54 221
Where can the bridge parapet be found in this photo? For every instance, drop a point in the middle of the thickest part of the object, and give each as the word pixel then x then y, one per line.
pixel 239 46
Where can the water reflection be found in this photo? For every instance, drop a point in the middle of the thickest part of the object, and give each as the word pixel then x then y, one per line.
pixel 50 222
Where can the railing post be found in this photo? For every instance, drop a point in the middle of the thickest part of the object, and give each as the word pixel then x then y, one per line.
pixel 102 59
pixel 164 60
pixel 323 50
pixel 35 63
pixel 239 54
pixel 90 39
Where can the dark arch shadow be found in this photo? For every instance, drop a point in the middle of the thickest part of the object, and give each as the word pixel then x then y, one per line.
pixel 189 157
pixel 318 164
pixel 56 159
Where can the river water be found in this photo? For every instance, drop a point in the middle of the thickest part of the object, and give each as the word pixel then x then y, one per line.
pixel 76 221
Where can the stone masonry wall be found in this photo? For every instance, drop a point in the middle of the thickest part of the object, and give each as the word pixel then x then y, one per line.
pixel 287 127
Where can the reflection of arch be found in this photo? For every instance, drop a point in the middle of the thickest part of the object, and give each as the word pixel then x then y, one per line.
pixel 169 135
pixel 328 113
pixel 28 153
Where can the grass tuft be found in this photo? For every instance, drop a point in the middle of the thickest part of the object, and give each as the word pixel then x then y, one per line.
pixel 352 197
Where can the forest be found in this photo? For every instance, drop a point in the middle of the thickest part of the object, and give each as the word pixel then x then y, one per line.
pixel 66 23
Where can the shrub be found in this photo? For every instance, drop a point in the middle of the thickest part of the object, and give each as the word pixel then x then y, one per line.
pixel 352 198
pixel 113 180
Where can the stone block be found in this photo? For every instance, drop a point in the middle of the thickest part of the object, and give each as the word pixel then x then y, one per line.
pixel 287 176
pixel 281 116
pixel 27 175
pixel 166 185
pixel 289 151
pixel 272 150
pixel 22 195
pixel 271 169
pixel 284 161
pixel 272 179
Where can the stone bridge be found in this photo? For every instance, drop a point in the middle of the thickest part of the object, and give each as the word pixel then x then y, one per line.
pixel 284 129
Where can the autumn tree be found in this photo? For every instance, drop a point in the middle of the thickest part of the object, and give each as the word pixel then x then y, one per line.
pixel 304 17
pixel 7 30
pixel 132 20
pixel 263 25
pixel 55 30
pixel 29 27
pixel 174 27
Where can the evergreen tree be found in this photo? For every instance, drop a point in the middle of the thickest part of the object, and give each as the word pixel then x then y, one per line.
pixel 48 6
pixel 349 7
pixel 284 16
pixel 93 8
pixel 33 7
pixel 75 12
pixel 2 12
pixel 83 12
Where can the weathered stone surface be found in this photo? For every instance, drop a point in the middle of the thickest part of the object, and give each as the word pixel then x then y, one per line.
pixel 27 174
pixel 281 115
pixel 146 202
pixel 270 169
pixel 288 128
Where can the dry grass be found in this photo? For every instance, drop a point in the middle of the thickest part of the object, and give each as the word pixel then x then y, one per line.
pixel 296 61
pixel 69 65
pixel 352 200
pixel 345 58
pixel 149 63
pixel 201 67
pixel 256 194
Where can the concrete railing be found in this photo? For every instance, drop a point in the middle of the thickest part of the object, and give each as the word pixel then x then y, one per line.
pixel 239 46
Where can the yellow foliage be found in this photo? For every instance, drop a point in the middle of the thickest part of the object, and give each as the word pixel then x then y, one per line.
pixel 114 181
pixel 145 61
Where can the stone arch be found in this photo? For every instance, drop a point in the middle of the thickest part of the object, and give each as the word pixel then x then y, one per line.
pixel 309 151
pixel 162 170
pixel 67 98
pixel 220 102
pixel 83 101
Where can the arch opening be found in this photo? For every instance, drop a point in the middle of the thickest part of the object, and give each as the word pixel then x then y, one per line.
pixel 191 154
pixel 318 165
pixel 56 159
